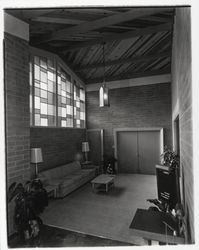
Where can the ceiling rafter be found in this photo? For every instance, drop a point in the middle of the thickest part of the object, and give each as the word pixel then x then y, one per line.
pixel 126 35
pixel 78 35
pixel 128 76
pixel 155 19
pixel 33 13
pixel 122 27
pixel 100 23
pixel 47 19
pixel 125 60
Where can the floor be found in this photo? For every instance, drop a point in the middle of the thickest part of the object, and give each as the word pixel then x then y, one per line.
pixel 56 237
pixel 104 215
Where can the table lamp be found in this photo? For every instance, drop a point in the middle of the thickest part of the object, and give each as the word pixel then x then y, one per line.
pixel 36 157
pixel 85 149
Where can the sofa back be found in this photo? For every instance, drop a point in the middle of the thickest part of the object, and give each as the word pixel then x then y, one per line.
pixel 70 167
pixel 59 172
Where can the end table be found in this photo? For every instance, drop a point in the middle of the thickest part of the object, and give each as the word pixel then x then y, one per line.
pixel 89 165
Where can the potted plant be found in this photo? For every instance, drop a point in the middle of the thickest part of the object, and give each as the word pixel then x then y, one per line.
pixel 30 201
pixel 171 162
pixel 170 159
pixel 109 164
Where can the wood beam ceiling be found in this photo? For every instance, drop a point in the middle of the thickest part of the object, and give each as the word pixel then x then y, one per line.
pixel 126 35
pixel 125 60
pixel 128 76
pixel 34 13
pixel 100 23
pixel 47 19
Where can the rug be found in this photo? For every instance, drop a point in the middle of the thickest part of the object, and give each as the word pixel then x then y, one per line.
pixel 106 215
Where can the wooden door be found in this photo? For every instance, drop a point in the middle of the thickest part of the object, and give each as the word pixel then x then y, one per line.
pixel 95 139
pixel 138 151
pixel 127 152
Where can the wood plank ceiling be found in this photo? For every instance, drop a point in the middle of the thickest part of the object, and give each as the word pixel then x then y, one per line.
pixel 137 40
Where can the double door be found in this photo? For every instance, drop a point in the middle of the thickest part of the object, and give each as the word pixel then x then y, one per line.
pixel 138 151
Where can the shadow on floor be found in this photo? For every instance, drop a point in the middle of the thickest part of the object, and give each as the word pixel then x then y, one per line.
pixel 114 191
pixel 56 237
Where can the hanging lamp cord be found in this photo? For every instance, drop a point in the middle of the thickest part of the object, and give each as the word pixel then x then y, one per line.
pixel 104 82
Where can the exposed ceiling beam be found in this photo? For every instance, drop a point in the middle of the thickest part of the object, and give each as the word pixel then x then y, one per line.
pixel 126 35
pixel 132 82
pixel 33 13
pixel 122 27
pixel 128 76
pixel 162 19
pixel 100 23
pixel 125 60
pixel 94 10
pixel 45 19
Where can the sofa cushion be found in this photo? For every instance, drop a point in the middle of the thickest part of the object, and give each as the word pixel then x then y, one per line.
pixel 70 167
pixel 79 174
pixel 59 172
pixel 55 182
pixel 49 174
pixel 88 171
pixel 68 183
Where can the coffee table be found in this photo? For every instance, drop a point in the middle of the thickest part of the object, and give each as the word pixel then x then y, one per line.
pixel 103 182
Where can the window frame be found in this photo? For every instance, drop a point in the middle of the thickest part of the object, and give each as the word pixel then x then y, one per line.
pixel 73 78
pixel 77 86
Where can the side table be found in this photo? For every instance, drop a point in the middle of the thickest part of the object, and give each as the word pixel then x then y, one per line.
pixel 50 189
pixel 89 165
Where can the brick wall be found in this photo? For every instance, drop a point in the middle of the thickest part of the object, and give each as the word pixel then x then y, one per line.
pixel 181 105
pixel 59 145
pixel 17 113
pixel 141 106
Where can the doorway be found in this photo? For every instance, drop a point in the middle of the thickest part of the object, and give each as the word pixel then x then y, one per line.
pixel 177 135
pixel 138 150
pixel 95 138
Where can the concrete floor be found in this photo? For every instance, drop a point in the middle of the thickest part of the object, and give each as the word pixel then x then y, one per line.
pixel 100 214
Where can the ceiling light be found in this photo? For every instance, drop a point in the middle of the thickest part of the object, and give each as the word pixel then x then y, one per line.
pixel 103 91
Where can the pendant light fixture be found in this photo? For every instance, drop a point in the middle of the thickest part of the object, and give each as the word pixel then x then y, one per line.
pixel 103 92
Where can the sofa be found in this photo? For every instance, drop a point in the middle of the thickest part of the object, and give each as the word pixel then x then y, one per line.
pixel 66 178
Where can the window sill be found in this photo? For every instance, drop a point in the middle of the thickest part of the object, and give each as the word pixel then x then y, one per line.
pixel 55 127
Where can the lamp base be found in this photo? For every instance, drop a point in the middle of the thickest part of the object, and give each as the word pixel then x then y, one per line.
pixel 86 157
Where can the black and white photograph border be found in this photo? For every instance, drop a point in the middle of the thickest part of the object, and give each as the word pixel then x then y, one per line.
pixel 99 121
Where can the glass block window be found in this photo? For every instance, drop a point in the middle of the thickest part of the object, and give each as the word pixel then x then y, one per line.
pixel 65 99
pixel 79 107
pixel 44 92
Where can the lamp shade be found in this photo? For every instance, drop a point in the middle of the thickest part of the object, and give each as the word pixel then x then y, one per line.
pixel 36 155
pixel 85 147
pixel 103 97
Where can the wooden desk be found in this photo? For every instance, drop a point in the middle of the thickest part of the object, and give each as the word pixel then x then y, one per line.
pixel 150 226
